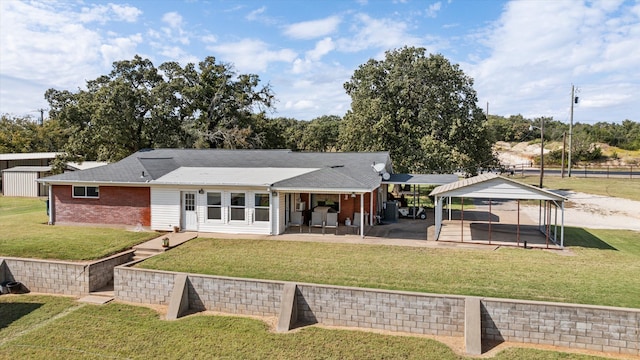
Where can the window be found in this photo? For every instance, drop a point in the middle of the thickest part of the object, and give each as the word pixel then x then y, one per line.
pixel 262 207
pixel 190 202
pixel 214 206
pixel 330 200
pixel 86 192
pixel 237 206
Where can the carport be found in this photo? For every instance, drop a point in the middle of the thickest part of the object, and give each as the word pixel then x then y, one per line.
pixel 492 187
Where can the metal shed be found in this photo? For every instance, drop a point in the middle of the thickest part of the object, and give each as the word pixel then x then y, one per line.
pixel 494 187
pixel 21 181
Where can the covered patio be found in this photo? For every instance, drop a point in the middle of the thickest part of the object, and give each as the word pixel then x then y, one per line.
pixel 494 195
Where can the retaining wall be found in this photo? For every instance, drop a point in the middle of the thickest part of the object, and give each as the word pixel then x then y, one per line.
pixel 414 313
pixel 567 325
pixel 62 277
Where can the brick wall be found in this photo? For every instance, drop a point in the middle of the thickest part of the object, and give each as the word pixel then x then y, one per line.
pixel 566 325
pixel 116 205
pixel 352 205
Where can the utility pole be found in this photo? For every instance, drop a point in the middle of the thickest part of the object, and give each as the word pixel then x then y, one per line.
pixel 541 150
pixel 571 127
pixel 564 146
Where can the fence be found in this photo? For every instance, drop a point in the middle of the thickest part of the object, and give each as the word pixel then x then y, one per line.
pixel 579 170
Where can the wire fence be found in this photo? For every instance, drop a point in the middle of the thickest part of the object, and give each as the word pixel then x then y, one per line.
pixel 579 170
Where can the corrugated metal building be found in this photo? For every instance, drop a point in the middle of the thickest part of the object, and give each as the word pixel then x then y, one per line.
pixel 21 181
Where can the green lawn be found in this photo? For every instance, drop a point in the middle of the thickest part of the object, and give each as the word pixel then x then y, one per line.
pixel 25 233
pixel 605 268
pixel 622 188
pixel 118 331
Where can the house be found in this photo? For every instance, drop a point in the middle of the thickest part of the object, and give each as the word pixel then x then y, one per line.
pixel 226 191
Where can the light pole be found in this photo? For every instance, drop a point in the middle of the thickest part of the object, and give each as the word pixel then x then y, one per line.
pixel 531 127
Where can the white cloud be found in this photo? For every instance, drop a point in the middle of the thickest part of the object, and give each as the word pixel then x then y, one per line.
pixel 322 48
pixel 175 31
pixel 54 44
pixel 210 39
pixel 251 55
pixel 537 52
pixel 313 29
pixel 119 48
pixel 173 19
pixel 373 33
pixel 255 14
pixel 432 10
pixel 126 13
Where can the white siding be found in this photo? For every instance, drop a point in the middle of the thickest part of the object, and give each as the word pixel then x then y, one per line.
pixel 165 209
pixel 20 184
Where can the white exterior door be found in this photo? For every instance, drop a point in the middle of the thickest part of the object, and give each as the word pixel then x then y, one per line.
pixel 189 215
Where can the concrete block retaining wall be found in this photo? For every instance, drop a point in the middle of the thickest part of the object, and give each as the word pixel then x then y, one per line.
pixel 414 313
pixel 46 276
pixel 236 296
pixel 62 277
pixel 566 325
pixel 101 271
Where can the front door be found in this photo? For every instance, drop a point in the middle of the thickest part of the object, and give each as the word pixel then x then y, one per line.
pixel 189 216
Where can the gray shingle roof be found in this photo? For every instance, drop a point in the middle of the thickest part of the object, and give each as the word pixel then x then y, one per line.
pixel 335 170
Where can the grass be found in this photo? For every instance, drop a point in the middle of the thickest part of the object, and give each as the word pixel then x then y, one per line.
pixel 622 188
pixel 125 331
pixel 604 271
pixel 25 233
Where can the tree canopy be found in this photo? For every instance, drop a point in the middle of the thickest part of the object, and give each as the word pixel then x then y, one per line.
pixel 139 106
pixel 420 108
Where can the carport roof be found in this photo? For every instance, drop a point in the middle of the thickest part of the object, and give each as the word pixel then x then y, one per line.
pixel 492 186
pixel 421 179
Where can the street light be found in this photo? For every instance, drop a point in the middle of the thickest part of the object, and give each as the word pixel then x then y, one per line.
pixel 531 127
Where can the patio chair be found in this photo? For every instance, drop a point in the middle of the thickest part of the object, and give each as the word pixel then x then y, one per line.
pixel 332 222
pixel 355 223
pixel 316 221
pixel 296 219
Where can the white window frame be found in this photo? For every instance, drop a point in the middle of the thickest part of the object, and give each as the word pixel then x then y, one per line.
pixel 85 196
pixel 232 207
pixel 257 207
pixel 221 206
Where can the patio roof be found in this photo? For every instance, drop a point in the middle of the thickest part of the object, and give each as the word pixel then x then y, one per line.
pixel 421 179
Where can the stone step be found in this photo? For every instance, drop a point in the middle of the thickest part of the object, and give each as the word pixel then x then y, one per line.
pixel 96 299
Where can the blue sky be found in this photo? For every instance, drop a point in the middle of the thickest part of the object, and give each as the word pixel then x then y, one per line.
pixel 523 55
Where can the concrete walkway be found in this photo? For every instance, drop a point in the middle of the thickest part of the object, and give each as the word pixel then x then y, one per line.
pixel 175 239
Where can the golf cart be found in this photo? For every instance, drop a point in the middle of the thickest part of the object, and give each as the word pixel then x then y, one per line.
pixel 407 212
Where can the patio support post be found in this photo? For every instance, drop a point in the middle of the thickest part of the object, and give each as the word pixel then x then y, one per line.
pixel 562 226
pixel 462 219
pixel 449 206
pixel 489 221
pixel 371 208
pixel 547 210
pixel 518 226
pixel 362 215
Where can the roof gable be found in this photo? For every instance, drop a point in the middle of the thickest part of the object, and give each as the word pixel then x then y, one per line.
pixel 492 186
